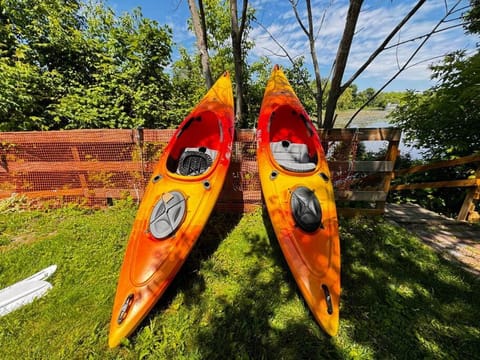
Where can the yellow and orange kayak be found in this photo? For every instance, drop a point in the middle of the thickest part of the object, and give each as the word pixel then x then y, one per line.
pixel 175 207
pixel 298 193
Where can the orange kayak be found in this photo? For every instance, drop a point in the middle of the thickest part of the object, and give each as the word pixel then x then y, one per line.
pixel 298 193
pixel 176 205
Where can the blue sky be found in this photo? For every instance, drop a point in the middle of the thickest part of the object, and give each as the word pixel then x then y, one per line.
pixel 377 19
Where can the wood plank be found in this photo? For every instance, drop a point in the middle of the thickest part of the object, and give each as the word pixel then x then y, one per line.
pixel 350 195
pixel 468 205
pixel 102 193
pixel 82 177
pixel 43 193
pixel 437 184
pixel 364 134
pixel 69 136
pixel 391 155
pixel 469 202
pixel 439 164
pixel 70 166
pixel 362 166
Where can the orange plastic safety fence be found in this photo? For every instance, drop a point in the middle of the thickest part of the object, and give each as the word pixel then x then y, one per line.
pixel 93 167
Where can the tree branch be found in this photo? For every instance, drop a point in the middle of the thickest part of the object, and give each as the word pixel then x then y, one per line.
pixel 287 55
pixel 297 16
pixel 405 65
pixel 422 36
pixel 382 45
pixel 313 53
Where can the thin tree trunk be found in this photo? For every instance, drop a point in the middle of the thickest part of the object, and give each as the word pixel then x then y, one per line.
pixel 237 33
pixel 313 52
pixel 341 62
pixel 201 35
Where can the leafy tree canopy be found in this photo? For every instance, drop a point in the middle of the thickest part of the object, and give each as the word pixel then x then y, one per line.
pixel 65 64
pixel 68 64
pixel 445 119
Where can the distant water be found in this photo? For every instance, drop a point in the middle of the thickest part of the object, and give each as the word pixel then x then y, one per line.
pixel 405 148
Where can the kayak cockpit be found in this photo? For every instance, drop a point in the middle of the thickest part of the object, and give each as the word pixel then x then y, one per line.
pixel 196 146
pixel 291 140
pixel 196 161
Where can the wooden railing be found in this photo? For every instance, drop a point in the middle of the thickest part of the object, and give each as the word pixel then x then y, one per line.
pixel 367 194
pixel 97 166
pixel 472 183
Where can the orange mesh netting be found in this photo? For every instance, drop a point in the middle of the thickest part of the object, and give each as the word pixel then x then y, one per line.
pixel 92 167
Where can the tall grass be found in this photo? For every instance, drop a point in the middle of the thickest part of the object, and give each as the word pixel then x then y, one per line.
pixel 234 297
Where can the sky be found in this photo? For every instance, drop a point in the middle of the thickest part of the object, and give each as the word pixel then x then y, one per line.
pixel 377 19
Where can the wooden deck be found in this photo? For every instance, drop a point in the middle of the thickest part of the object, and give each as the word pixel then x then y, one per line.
pixel 456 240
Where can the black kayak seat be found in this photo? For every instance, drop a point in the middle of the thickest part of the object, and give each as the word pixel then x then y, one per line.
pixel 292 156
pixel 195 160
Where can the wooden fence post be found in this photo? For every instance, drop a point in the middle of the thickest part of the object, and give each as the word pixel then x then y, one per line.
pixel 82 177
pixel 391 155
pixel 473 194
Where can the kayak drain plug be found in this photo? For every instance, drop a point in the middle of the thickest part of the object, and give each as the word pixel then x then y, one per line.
pixel 124 310
pixel 328 299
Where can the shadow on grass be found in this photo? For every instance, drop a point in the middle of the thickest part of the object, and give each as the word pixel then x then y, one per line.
pixel 401 300
pixel 263 321
pixel 188 279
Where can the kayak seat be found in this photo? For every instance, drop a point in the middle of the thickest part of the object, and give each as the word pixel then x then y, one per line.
pixel 195 161
pixel 292 156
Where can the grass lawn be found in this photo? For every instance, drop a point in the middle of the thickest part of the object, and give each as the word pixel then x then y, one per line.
pixel 234 298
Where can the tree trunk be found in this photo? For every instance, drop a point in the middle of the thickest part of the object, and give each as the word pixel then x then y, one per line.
pixel 237 33
pixel 313 52
pixel 201 36
pixel 341 62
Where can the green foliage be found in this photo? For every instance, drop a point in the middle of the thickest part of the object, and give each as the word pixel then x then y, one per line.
pixel 258 72
pixel 472 17
pixel 65 64
pixel 300 79
pixel 234 294
pixel 445 119
pixel 447 201
pixel 345 101
pixel 188 86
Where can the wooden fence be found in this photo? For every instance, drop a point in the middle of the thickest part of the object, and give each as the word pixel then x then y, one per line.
pixel 472 184
pixel 96 166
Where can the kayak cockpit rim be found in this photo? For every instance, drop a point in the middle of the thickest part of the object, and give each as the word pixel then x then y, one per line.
pixel 292 140
pixel 198 147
